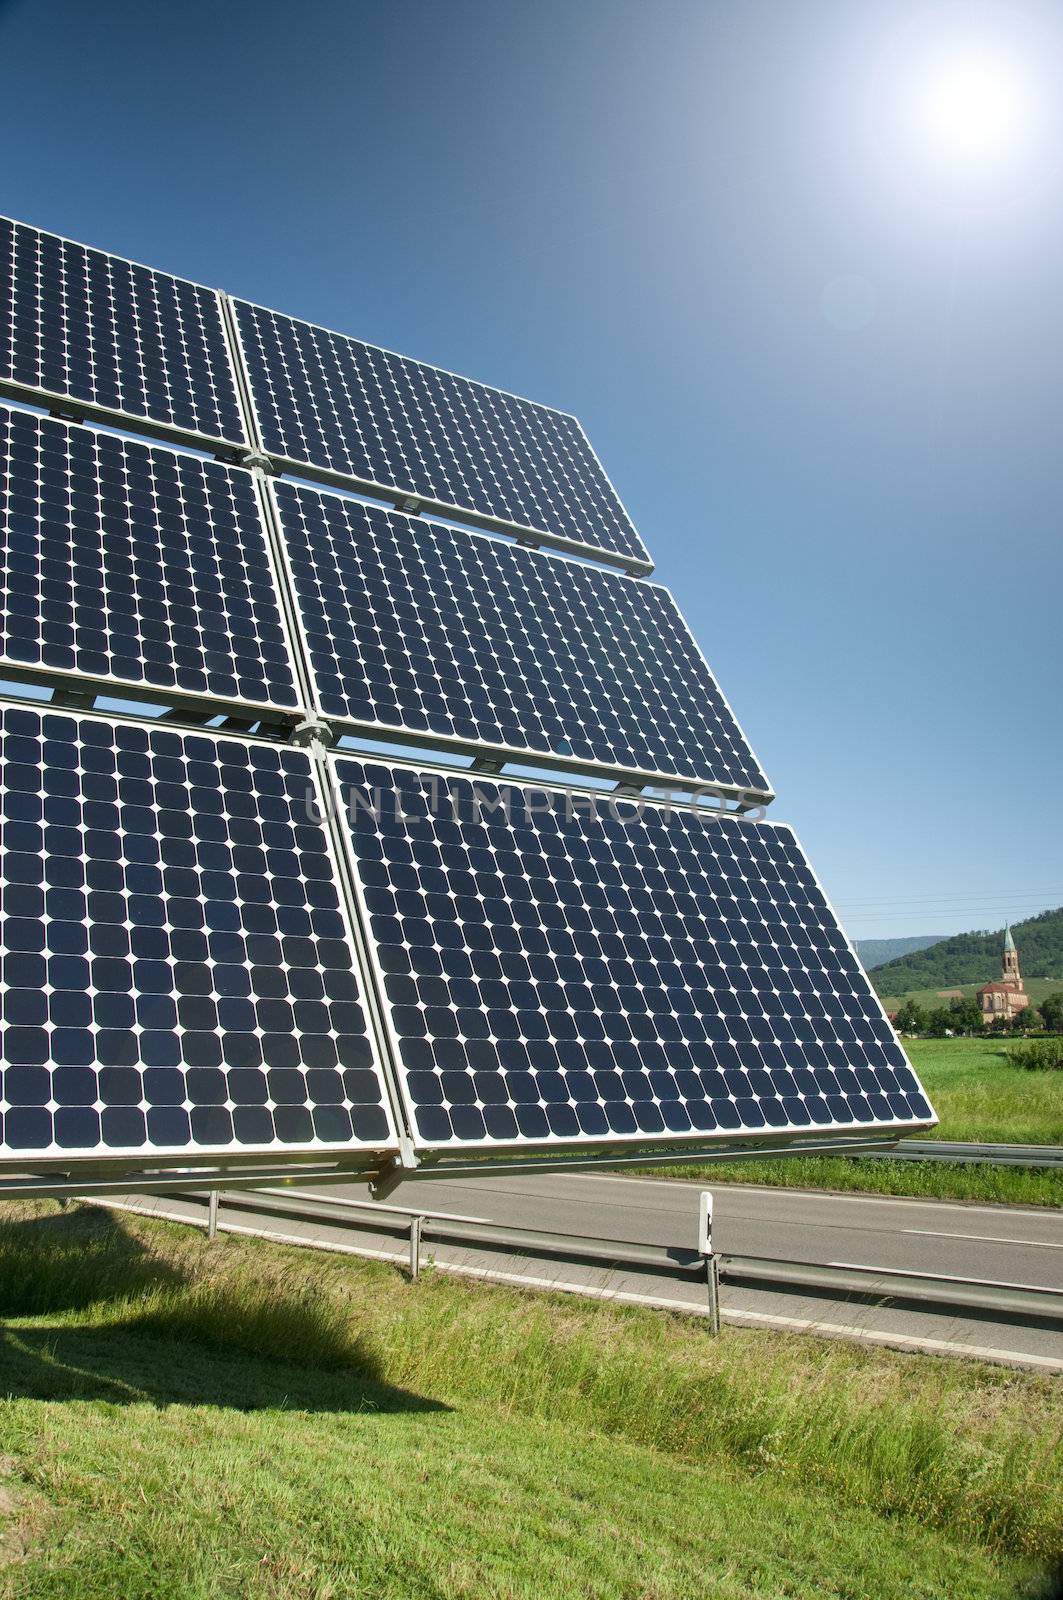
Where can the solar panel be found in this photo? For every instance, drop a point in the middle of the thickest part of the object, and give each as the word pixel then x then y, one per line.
pixel 114 339
pixel 178 974
pixel 611 971
pixel 355 414
pixel 440 635
pixel 126 563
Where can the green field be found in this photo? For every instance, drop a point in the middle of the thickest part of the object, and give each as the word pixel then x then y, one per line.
pixel 930 999
pixel 979 1096
pixel 196 1422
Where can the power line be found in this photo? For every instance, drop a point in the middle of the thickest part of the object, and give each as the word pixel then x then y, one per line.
pixel 1037 896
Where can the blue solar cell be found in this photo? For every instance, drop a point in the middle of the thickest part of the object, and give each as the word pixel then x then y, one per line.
pixel 416 628
pixel 178 975
pixel 92 329
pixel 607 971
pixel 128 563
pixel 386 423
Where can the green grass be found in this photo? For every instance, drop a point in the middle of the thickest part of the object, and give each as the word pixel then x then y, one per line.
pixel 446 1440
pixel 979 1183
pixel 930 999
pixel 979 1095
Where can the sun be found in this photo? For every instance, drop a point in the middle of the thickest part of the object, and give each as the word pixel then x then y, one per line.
pixel 975 108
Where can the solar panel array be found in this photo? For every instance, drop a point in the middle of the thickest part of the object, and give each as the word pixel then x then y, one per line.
pixel 129 564
pixel 387 423
pixel 202 953
pixel 412 626
pixel 613 972
pixel 178 972
pixel 92 329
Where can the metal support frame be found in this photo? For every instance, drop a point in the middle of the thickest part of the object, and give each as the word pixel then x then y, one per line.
pixel 386 1169
pixel 73 699
pixel 81 412
pixel 433 1166
pixel 463 516
pixel 303 726
pixel 560 771
pixel 93 1176
pixel 79 691
pixel 310 733
pixel 407 1159
pixel 242 382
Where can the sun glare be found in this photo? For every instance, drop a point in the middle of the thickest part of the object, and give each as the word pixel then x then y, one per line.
pixel 975 109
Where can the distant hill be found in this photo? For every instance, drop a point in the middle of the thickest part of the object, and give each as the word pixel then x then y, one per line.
pixel 873 952
pixel 975 957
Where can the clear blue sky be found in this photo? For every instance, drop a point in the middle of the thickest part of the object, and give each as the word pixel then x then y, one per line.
pixel 816 337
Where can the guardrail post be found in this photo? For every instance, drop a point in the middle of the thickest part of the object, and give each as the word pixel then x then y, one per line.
pixel 415 1248
pixel 212 1214
pixel 712 1270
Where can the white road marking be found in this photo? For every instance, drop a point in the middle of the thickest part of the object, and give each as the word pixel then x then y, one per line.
pixel 769 1191
pixel 896 1341
pixel 987 1238
pixel 1041 1213
pixel 232 1198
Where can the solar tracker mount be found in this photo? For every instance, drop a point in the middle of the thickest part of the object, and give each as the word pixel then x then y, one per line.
pixel 238 942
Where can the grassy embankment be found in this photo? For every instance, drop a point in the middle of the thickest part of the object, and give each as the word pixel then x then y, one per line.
pixel 239 1419
pixel 978 1095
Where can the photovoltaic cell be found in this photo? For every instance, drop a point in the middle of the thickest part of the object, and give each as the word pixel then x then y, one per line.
pixel 385 422
pixel 127 563
pixel 611 972
pixel 178 975
pixel 415 627
pixel 97 331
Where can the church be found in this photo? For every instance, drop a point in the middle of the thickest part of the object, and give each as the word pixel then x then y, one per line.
pixel 1008 997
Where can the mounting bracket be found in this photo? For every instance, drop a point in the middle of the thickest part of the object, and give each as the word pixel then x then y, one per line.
pixel 312 731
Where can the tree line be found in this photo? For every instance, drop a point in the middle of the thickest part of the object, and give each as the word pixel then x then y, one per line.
pixel 967 957
pixel 964 1015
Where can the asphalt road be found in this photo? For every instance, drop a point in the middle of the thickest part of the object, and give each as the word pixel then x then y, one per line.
pixel 1002 1243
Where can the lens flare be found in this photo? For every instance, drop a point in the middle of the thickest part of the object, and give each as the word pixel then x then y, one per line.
pixel 975 108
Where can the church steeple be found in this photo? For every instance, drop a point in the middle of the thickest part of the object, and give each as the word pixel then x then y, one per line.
pixel 1008 999
pixel 1011 972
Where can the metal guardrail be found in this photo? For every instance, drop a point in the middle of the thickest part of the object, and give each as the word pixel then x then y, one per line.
pixel 1047 1156
pixel 419 1229
pixel 1021 1302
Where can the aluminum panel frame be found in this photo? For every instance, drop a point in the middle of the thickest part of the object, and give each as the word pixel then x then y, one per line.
pixel 428 1152
pixel 413 499
pixel 366 1155
pixel 67 406
pixel 527 756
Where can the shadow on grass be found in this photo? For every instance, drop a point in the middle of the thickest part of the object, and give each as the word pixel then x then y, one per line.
pixel 127 1366
pixel 158 1334
pixel 72 1259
